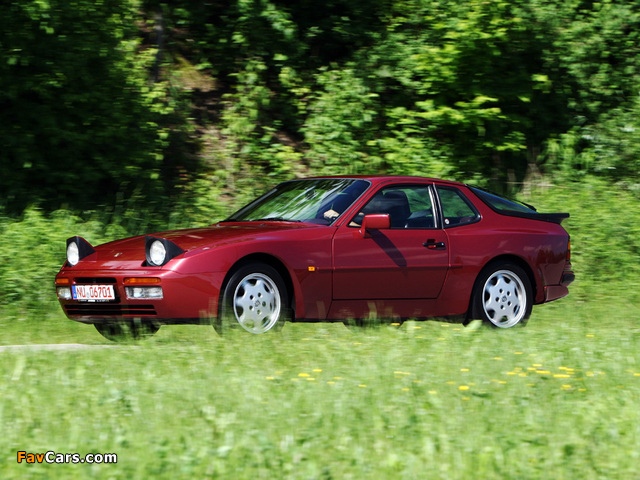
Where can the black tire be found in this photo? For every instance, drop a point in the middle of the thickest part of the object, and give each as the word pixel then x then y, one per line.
pixel 256 299
pixel 127 330
pixel 502 296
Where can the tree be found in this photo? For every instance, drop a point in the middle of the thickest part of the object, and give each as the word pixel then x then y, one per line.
pixel 80 120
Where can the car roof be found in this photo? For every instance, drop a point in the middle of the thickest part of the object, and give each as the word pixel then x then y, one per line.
pixel 380 179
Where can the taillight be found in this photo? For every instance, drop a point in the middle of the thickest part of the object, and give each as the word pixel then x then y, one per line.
pixel 569 251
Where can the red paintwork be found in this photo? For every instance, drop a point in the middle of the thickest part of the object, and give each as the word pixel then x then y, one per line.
pixel 384 272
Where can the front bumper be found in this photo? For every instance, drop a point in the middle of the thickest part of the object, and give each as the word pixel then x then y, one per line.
pixel 186 298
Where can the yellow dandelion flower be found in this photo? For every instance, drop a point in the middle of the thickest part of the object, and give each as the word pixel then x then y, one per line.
pixel 317 370
pixel 331 382
pixel 362 385
pixel 497 358
pixel 464 369
pixel 590 335
pixel 463 388
pixel 561 375
pixel 433 392
pixel 304 375
pixel 567 387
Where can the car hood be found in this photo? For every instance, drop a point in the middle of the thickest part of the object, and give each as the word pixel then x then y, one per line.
pixel 207 237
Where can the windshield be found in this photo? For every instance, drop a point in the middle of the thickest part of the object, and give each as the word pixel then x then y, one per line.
pixel 319 201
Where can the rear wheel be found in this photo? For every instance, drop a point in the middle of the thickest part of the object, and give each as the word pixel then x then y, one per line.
pixel 256 299
pixel 502 296
pixel 123 330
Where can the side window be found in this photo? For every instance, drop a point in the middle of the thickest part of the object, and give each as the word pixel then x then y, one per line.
pixel 408 206
pixel 456 208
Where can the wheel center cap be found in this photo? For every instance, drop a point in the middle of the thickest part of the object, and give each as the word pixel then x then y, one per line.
pixel 257 303
pixel 504 299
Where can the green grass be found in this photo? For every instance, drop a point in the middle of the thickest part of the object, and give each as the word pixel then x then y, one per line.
pixel 557 399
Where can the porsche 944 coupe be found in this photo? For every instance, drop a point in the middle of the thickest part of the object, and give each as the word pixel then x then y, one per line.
pixel 328 249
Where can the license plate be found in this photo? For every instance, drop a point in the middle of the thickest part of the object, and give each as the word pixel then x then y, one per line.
pixel 93 293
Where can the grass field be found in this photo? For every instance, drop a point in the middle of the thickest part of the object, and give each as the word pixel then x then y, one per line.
pixel 557 399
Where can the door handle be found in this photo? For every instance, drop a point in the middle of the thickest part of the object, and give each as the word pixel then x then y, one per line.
pixel 431 244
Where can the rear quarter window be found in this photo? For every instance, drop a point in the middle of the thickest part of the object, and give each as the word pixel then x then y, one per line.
pixel 456 208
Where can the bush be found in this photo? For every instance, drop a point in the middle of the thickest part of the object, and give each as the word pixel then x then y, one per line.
pixel 604 228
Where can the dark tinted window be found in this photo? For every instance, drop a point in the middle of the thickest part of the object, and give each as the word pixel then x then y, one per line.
pixel 456 208
pixel 497 202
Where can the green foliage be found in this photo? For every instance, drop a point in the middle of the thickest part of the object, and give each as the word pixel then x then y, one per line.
pixel 139 98
pixel 601 214
pixel 609 148
pixel 32 250
pixel 81 122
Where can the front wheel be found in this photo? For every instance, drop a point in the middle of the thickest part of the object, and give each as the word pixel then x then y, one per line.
pixel 121 331
pixel 255 298
pixel 502 296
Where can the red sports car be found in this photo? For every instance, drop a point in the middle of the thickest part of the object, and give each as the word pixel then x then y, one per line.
pixel 328 249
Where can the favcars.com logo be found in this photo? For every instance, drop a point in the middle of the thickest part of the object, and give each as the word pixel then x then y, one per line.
pixel 53 457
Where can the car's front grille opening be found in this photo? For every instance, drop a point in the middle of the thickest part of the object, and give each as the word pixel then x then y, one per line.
pixel 110 310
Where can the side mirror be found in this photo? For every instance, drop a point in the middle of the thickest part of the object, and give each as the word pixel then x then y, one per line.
pixel 375 221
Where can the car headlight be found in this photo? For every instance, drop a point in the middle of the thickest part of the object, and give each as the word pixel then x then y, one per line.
pixel 159 251
pixel 73 254
pixel 77 249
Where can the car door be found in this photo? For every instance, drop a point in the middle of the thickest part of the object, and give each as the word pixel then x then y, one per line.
pixel 408 260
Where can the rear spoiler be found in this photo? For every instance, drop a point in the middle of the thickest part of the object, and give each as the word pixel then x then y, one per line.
pixel 545 217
